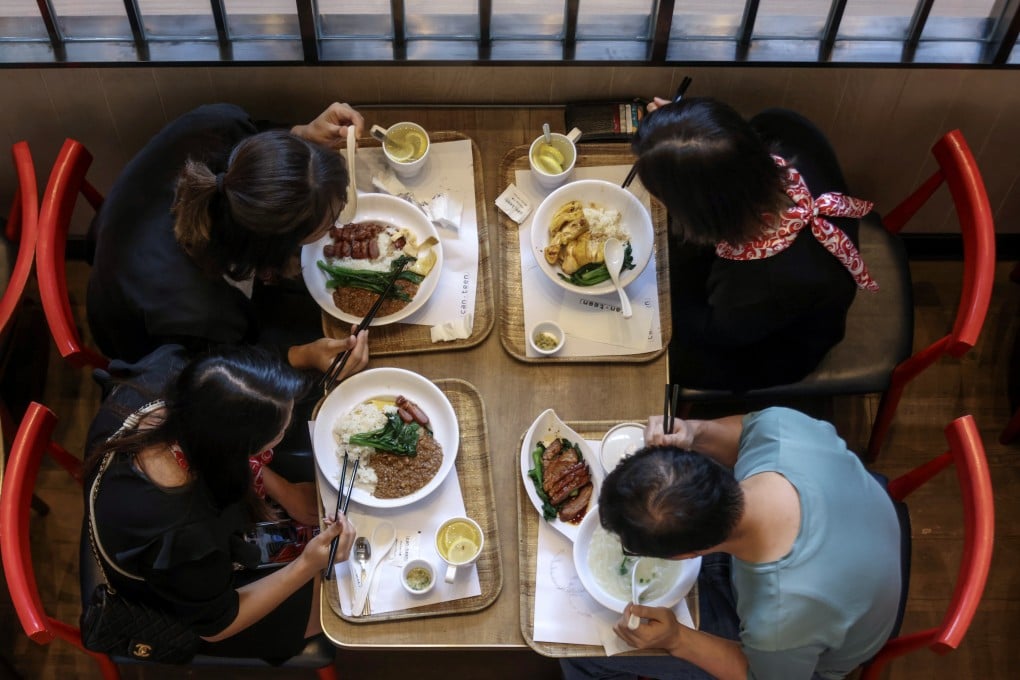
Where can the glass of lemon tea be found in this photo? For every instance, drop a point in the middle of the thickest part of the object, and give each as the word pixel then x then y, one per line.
pixel 459 541
pixel 406 148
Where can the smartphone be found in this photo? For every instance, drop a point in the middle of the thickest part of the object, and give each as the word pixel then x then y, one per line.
pixel 605 120
pixel 279 542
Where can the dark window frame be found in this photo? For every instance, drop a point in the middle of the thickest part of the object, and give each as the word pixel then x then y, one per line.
pixel 311 46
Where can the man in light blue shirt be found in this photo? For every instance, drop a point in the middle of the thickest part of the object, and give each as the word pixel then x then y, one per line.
pixel 813 542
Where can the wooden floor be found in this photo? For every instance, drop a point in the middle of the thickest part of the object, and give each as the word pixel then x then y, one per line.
pixel 976 384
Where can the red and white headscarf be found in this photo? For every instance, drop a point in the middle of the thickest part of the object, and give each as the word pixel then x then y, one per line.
pixel 780 232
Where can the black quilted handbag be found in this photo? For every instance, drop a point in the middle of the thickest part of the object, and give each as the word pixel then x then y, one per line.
pixel 113 624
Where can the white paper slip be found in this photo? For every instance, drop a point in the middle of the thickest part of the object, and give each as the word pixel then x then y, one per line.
pixel 514 204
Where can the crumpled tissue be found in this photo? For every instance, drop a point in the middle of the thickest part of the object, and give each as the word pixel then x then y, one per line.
pixel 442 210
pixel 458 329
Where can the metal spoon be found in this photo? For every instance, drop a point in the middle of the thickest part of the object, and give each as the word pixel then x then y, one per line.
pixel 362 552
pixel 614 263
pixel 640 581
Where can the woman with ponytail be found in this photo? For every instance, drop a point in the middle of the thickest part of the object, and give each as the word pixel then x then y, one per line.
pixel 197 241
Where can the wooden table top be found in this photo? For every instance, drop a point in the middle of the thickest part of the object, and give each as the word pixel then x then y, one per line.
pixel 514 393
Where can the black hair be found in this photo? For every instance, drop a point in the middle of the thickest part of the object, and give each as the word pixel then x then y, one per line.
pixel 277 190
pixel 664 501
pixel 224 406
pixel 710 169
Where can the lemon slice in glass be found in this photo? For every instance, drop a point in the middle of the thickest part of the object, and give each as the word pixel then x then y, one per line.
pixel 400 152
pixel 417 142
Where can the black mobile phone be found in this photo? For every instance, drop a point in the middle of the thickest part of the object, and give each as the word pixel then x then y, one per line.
pixel 601 121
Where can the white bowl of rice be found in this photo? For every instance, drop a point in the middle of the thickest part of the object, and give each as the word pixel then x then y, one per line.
pixel 609 211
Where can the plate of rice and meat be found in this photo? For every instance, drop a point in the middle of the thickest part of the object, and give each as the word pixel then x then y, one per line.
pixel 561 473
pixel 571 226
pixel 346 269
pixel 401 426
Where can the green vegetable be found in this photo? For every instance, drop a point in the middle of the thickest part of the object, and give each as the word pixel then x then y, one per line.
pixel 548 511
pixel 625 565
pixel 395 437
pixel 367 279
pixel 596 272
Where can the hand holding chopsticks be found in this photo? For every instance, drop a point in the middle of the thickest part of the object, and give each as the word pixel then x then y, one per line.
pixel 341 508
pixel 331 378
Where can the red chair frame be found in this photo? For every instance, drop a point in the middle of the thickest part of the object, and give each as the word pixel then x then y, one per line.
pixel 959 171
pixel 967 452
pixel 32 442
pixel 22 227
pixel 67 180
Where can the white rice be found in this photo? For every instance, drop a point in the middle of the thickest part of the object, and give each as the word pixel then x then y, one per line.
pixel 365 417
pixel 605 223
pixel 604 558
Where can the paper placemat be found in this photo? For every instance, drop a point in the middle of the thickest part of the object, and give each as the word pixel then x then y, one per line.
pixel 472 477
pixel 408 338
pixel 608 162
pixel 529 527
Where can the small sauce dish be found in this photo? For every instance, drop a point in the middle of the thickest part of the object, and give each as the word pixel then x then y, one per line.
pixel 546 337
pixel 622 441
pixel 418 577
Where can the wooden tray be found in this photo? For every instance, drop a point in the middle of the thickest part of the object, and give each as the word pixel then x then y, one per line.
pixel 527 532
pixel 511 328
pixel 475 476
pixel 407 338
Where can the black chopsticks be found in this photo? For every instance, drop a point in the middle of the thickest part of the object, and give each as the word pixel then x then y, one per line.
pixel 680 90
pixel 330 378
pixel 684 84
pixel 669 408
pixel 328 574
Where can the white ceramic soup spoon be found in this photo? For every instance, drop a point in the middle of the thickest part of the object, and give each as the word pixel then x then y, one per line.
pixel 614 263
pixel 640 580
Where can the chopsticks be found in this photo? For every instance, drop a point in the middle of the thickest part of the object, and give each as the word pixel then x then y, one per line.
pixel 684 84
pixel 680 90
pixel 669 407
pixel 328 574
pixel 331 377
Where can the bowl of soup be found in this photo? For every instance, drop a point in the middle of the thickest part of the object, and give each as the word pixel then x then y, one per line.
pixel 605 572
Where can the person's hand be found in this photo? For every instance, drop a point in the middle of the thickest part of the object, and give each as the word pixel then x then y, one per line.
pixel 661 630
pixel 682 436
pixel 330 127
pixel 297 499
pixel 319 354
pixel 316 553
pixel 656 104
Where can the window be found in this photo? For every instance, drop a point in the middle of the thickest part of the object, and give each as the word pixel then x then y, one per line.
pixel 631 31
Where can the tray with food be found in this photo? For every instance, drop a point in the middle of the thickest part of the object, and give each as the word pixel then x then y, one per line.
pixel 389 335
pixel 577 263
pixel 597 560
pixel 456 416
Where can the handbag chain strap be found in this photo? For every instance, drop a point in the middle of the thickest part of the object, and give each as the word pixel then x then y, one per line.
pixel 97 547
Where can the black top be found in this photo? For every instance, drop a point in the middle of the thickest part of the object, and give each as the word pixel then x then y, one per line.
pixel 190 553
pixel 177 540
pixel 755 323
pixel 144 290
